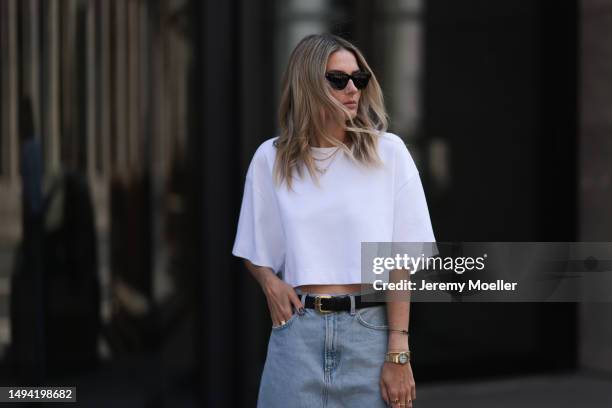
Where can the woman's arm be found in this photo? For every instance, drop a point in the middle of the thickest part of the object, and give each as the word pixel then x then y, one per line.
pixel 279 294
pixel 262 274
pixel 397 380
pixel 398 312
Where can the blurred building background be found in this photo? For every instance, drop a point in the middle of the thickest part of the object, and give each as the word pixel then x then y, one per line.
pixel 152 110
pixel 109 85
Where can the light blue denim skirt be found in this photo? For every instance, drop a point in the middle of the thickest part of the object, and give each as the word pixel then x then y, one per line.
pixel 329 360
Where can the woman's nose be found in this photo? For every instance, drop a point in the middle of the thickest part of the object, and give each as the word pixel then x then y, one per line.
pixel 350 87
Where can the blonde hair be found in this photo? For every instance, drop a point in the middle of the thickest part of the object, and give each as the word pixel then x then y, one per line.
pixel 306 102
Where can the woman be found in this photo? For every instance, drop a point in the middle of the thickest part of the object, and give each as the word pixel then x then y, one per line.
pixel 333 178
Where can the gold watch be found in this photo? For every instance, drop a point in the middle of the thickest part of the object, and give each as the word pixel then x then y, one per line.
pixel 398 357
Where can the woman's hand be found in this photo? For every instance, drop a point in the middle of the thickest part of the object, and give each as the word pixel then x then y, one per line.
pixel 279 294
pixel 397 383
pixel 280 297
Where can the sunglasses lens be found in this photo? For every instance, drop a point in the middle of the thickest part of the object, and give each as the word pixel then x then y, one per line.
pixel 361 80
pixel 337 81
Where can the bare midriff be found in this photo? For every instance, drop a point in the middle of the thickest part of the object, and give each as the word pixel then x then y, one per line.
pixel 330 289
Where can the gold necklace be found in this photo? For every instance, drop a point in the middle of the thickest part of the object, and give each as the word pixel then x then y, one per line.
pixel 326 157
pixel 323 170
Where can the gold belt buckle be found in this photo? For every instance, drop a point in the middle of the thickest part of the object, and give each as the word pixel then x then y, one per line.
pixel 318 304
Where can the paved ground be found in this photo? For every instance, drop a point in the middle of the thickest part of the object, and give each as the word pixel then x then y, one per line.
pixel 574 390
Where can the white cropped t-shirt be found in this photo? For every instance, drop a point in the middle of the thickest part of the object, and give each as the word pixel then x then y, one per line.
pixel 313 234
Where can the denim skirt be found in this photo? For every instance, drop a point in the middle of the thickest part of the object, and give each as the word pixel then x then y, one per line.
pixel 330 360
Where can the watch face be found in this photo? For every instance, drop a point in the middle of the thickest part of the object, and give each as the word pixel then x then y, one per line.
pixel 403 358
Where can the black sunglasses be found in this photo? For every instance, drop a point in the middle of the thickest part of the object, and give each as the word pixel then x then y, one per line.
pixel 338 80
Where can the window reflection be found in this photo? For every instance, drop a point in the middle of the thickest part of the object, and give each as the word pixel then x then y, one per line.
pixel 108 86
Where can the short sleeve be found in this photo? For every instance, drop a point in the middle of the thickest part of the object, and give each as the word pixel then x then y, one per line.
pixel 260 235
pixel 411 222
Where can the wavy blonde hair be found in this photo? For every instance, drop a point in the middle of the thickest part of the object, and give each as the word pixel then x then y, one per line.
pixel 306 102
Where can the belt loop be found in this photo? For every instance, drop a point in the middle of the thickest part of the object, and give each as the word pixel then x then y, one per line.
pixel 352 304
pixel 302 297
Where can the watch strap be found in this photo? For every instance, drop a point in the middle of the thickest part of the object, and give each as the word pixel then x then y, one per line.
pixel 394 356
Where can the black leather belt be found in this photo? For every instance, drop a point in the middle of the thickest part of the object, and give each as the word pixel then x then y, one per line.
pixel 328 304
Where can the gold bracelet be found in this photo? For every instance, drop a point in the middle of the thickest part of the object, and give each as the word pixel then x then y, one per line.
pixel 400 331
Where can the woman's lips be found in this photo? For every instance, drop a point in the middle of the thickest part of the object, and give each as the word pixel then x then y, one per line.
pixel 351 104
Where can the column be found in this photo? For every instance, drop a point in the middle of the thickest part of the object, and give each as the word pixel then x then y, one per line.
pixel 92 96
pixel 595 150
